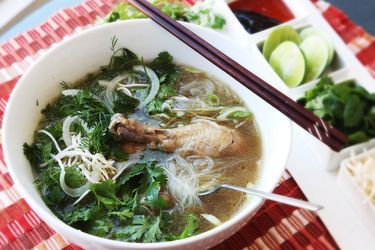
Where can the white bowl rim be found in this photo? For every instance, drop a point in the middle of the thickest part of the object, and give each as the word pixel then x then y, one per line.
pixel 59 224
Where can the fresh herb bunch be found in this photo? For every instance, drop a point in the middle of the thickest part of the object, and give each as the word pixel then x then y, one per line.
pixel 347 106
pixel 132 208
pixel 199 14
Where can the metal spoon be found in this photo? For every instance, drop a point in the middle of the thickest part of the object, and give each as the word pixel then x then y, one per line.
pixel 270 196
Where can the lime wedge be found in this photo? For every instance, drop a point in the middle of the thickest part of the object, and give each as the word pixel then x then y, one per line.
pixel 288 62
pixel 311 31
pixel 316 55
pixel 278 36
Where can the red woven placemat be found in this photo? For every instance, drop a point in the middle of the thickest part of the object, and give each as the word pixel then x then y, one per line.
pixel 274 227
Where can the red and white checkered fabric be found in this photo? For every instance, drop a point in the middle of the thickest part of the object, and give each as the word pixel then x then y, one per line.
pixel 274 227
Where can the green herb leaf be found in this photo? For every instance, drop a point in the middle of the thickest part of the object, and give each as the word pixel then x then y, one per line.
pixel 74 177
pixel 152 193
pixel 348 107
pixel 32 153
pixel 358 137
pixel 136 170
pixel 105 193
pixel 240 115
pixel 136 231
pixel 81 213
pixel 165 68
pixel 354 111
pixel 101 227
pixel 153 233
pixel 123 103
pixel 123 215
pixel 190 227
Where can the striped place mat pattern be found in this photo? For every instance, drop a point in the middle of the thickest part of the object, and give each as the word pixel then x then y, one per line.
pixel 274 226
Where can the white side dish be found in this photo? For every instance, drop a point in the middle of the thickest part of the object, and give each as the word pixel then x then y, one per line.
pixel 313 165
pixel 357 178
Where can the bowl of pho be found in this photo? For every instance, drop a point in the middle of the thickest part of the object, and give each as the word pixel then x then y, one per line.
pixel 111 135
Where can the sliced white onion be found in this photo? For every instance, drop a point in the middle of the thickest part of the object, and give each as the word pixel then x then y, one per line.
pixel 126 91
pixel 223 116
pixel 155 84
pixel 73 192
pixel 52 138
pixel 212 219
pixel 66 129
pixel 104 83
pixel 111 85
pixel 70 92
pixel 117 79
pixel 134 85
pixel 109 92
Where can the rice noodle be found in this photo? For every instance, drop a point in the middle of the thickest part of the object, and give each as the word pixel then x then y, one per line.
pixel 94 167
pixel 192 105
pixel 187 177
pixel 198 88
pixel 182 182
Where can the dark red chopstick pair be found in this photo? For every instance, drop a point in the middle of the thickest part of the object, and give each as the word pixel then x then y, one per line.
pixel 303 117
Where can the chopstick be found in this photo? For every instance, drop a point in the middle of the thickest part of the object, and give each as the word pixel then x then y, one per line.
pixel 323 131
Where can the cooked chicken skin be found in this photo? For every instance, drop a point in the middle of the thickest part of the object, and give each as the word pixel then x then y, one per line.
pixel 201 137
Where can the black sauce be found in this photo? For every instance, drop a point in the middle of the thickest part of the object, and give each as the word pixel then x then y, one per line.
pixel 254 22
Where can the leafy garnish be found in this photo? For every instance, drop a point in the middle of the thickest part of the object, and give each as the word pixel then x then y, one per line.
pixel 165 68
pixel 105 193
pixel 123 215
pixel 190 227
pixel 81 213
pixel 346 106
pixel 142 229
pixel 134 206
pixel 201 13
pixel 101 227
pixel 240 115
pixel 74 177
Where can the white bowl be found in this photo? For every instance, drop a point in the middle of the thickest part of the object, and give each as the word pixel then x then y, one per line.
pixel 83 53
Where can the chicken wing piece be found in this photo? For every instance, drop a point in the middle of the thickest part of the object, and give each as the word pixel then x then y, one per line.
pixel 201 137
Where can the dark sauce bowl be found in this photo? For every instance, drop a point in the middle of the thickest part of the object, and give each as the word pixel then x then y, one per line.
pixel 254 22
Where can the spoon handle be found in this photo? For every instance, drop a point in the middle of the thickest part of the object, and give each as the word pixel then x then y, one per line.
pixel 275 197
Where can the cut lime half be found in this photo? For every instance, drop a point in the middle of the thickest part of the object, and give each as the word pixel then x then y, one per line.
pixel 278 36
pixel 288 62
pixel 316 55
pixel 312 31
